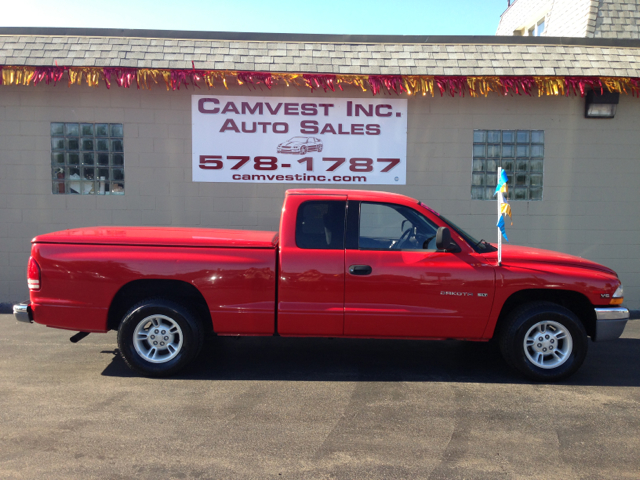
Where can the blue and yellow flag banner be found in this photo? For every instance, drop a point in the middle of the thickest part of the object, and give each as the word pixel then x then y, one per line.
pixel 500 225
pixel 502 183
pixel 505 209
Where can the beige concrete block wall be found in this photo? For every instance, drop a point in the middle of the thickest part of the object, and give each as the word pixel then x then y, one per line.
pixel 523 13
pixel 591 177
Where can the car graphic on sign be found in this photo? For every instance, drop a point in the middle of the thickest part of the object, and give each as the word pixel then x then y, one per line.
pixel 300 145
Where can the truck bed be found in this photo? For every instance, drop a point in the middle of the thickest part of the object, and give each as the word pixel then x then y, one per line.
pixel 163 236
pixel 84 269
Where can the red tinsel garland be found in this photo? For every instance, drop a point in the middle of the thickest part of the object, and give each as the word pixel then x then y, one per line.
pixel 254 78
pixel 48 74
pixel 124 76
pixel 451 85
pixel 579 84
pixel 398 84
pixel 186 77
pixel 518 85
pixel 393 83
pixel 324 81
pixel 635 91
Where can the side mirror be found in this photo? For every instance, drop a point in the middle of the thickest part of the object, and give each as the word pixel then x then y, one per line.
pixel 444 242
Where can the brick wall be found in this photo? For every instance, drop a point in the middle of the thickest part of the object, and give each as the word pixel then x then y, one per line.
pixel 591 177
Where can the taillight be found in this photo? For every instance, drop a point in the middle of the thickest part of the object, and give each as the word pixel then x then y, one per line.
pixel 33 274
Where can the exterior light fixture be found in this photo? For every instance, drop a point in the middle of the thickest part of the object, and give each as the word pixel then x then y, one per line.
pixel 599 105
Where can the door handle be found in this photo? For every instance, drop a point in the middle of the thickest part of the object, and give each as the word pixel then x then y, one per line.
pixel 360 269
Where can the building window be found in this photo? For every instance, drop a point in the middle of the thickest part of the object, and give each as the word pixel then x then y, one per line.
pixel 519 152
pixel 87 158
pixel 538 29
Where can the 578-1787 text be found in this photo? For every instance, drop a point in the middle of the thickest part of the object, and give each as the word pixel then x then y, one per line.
pixel 356 164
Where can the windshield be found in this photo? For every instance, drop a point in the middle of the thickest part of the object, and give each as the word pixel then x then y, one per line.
pixel 480 246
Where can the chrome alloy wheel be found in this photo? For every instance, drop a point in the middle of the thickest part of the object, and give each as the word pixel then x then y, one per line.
pixel 548 344
pixel 157 338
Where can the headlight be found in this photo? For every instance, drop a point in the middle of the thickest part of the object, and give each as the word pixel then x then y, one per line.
pixel 618 296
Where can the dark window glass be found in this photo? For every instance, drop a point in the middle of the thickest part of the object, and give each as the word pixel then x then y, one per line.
pixel 386 226
pixel 320 224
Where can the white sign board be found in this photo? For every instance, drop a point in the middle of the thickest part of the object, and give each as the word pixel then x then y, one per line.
pixel 328 141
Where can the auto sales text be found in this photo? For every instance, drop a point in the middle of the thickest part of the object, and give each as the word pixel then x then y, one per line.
pixel 211 105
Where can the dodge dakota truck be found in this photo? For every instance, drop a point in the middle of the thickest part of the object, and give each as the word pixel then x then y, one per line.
pixel 344 263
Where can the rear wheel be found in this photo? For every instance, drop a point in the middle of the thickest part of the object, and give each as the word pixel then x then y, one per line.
pixel 544 341
pixel 159 337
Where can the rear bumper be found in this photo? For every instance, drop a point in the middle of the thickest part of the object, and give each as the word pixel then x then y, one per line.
pixel 610 323
pixel 23 313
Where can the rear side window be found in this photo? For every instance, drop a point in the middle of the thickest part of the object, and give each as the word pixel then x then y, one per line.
pixel 320 224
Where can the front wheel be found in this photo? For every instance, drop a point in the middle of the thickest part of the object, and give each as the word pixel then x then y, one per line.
pixel 544 341
pixel 158 337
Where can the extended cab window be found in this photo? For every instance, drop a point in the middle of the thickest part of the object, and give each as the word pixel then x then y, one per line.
pixel 385 226
pixel 320 224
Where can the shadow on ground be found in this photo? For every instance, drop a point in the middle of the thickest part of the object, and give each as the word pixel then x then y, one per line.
pixel 615 363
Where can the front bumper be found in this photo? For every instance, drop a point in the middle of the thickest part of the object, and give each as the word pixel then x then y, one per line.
pixel 23 313
pixel 610 323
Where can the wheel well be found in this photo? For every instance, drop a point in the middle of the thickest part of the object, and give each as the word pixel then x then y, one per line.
pixel 176 290
pixel 574 301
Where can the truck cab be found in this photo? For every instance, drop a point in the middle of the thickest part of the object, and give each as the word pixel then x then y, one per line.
pixel 366 264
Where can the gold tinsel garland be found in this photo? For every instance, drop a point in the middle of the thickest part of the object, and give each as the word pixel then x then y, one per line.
pixel 174 79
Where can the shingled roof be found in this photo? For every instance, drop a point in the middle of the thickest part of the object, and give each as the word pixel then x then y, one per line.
pixel 616 19
pixel 355 55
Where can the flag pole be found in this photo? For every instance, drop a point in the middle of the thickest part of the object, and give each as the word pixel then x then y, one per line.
pixel 500 199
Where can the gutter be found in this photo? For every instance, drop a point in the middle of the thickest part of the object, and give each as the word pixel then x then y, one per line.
pixel 319 38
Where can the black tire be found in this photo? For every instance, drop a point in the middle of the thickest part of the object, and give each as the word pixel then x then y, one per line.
pixel 187 337
pixel 543 315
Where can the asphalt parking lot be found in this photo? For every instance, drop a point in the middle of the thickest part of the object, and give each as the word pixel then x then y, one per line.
pixel 312 408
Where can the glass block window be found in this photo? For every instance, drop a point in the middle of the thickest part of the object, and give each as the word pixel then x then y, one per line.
pixel 87 158
pixel 519 152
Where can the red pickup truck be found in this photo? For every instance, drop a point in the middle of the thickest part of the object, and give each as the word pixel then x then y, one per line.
pixel 344 263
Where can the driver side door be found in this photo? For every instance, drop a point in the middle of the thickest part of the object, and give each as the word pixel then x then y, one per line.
pixel 396 288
